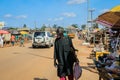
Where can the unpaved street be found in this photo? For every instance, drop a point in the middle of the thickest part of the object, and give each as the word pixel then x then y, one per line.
pixel 26 63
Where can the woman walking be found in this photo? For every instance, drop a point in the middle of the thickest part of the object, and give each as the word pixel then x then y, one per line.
pixel 64 56
pixel 22 41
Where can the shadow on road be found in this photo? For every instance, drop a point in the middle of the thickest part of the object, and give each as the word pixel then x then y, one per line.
pixel 38 48
pixel 89 68
pixel 41 56
pixel 39 79
pixel 16 53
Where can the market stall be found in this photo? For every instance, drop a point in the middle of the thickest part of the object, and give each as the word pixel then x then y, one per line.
pixel 109 64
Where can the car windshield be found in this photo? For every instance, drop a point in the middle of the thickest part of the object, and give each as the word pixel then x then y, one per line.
pixel 39 34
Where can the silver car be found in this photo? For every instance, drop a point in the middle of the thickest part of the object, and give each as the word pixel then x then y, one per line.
pixel 42 38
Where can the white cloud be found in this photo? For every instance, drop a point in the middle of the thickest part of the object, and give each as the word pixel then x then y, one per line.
pixel 17 17
pixel 49 19
pixel 8 16
pixel 104 10
pixel 21 17
pixel 76 1
pixel 66 14
pixel 58 19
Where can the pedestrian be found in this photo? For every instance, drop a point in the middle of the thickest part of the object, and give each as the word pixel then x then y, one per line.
pixel 64 57
pixel 16 39
pixel 1 40
pixel 22 41
pixel 12 40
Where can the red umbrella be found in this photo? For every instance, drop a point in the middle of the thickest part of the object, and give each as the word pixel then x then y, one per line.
pixel 3 32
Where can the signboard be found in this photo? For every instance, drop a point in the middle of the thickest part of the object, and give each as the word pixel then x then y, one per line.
pixel 1 25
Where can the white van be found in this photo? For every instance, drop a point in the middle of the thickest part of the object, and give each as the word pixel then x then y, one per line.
pixel 42 38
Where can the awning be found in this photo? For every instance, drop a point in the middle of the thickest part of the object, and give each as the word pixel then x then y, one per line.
pixel 4 32
pixel 110 19
pixel 15 32
pixel 24 32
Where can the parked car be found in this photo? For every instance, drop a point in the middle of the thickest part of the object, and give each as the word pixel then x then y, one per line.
pixel 42 38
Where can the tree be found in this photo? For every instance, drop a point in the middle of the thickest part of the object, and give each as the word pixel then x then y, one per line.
pixel 24 26
pixel 60 27
pixel 55 26
pixel 83 27
pixel 43 27
pixel 12 28
pixel 75 25
pixel 95 26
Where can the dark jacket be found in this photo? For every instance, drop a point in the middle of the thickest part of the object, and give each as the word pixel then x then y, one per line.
pixel 64 56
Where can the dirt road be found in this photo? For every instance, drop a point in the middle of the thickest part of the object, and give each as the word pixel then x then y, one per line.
pixel 26 63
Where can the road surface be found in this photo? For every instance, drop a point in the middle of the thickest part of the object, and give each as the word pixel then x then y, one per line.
pixel 26 63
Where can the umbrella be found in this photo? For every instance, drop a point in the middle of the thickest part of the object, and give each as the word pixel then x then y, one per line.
pixel 111 18
pixel 3 32
pixel 15 32
pixel 116 9
pixel 24 32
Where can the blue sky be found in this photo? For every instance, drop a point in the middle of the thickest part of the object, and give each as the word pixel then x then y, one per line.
pixel 49 12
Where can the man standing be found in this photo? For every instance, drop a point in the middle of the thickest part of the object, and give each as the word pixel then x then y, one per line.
pixel 1 40
pixel 12 40
pixel 64 56
pixel 22 41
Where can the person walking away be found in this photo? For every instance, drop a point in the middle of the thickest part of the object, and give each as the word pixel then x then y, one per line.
pixel 1 41
pixel 16 39
pixel 22 41
pixel 12 40
pixel 63 56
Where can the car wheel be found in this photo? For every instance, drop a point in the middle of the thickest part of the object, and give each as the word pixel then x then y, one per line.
pixel 33 46
pixel 48 46
pixel 51 44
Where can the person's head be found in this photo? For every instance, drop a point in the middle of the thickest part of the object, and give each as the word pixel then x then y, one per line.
pixel 59 32
pixel 1 34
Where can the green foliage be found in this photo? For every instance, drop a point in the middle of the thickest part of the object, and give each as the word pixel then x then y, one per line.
pixel 55 26
pixel 75 25
pixel 95 26
pixel 43 27
pixel 24 26
pixel 60 27
pixel 12 28
pixel 83 27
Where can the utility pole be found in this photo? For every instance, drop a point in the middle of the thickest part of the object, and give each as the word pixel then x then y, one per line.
pixel 91 21
pixel 88 20
pixel 35 25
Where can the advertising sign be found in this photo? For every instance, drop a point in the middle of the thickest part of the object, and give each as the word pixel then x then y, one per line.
pixel 1 25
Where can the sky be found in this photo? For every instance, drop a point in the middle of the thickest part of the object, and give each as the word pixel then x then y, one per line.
pixel 33 13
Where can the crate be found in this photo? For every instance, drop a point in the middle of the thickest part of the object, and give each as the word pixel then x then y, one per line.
pixel 101 54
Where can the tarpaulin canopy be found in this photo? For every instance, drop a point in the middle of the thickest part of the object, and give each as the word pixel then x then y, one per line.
pixel 110 19
pixel 24 32
pixel 3 32
pixel 15 32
